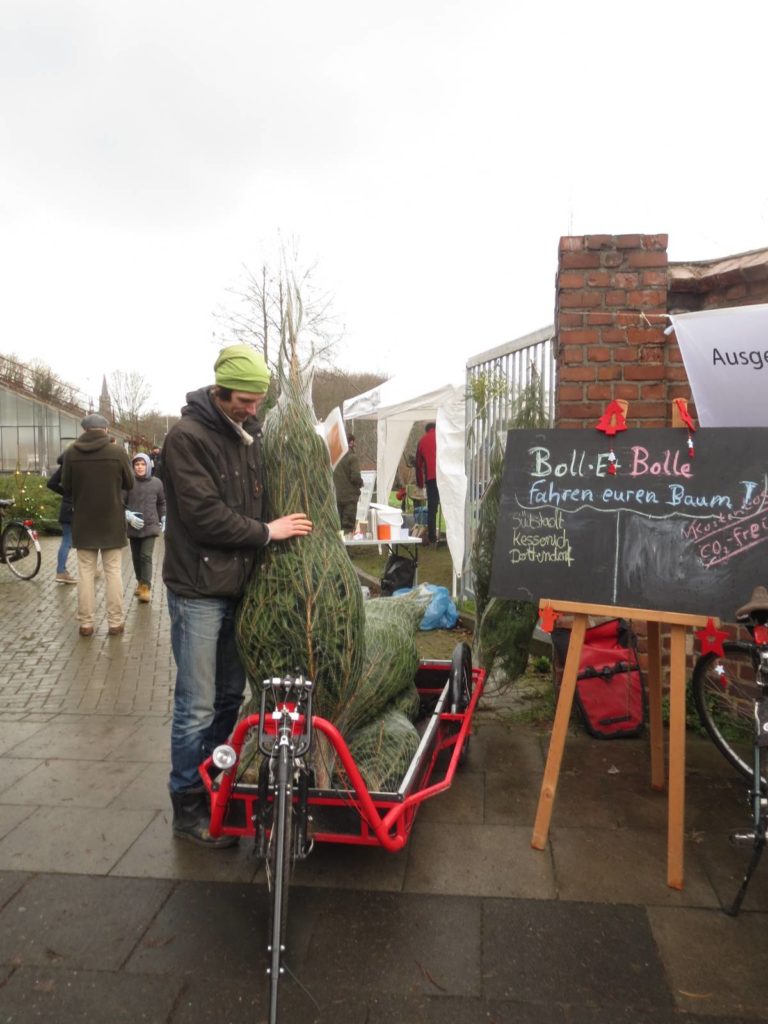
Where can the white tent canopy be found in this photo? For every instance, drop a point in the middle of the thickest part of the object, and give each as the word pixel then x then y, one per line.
pixel 397 405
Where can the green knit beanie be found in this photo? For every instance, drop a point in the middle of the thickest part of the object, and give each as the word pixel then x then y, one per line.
pixel 242 368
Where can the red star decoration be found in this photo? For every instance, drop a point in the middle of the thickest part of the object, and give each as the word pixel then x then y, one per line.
pixel 548 619
pixel 711 638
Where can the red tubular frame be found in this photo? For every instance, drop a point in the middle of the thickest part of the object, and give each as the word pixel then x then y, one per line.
pixel 388 829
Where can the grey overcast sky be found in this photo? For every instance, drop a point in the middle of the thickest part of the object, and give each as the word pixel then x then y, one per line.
pixel 426 154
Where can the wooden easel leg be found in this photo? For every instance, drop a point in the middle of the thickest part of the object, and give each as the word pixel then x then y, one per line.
pixel 654 706
pixel 676 821
pixel 559 733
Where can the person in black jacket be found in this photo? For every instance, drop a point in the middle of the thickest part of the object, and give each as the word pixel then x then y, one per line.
pixel 212 473
pixel 65 518
pixel 154 458
pixel 95 473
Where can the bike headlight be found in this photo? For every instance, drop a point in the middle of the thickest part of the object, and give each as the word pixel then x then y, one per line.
pixel 224 756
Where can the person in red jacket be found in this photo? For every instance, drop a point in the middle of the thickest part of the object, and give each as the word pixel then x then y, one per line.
pixel 426 476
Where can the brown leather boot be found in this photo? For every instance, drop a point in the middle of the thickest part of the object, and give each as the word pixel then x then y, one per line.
pixel 143 592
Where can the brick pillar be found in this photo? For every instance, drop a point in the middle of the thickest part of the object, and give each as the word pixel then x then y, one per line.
pixel 610 296
pixel 605 348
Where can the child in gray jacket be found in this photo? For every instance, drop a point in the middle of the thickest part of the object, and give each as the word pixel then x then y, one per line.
pixel 146 499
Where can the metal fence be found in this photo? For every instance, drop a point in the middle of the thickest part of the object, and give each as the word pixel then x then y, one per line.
pixel 41 383
pixel 495 380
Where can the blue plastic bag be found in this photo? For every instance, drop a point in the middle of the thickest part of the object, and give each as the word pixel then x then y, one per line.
pixel 441 611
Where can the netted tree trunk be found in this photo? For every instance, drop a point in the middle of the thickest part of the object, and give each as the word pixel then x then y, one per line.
pixel 383 751
pixel 303 610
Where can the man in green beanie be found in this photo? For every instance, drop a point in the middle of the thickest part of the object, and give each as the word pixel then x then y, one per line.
pixel 212 473
pixel 242 368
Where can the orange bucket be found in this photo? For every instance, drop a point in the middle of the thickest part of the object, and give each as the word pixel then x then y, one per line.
pixel 383 531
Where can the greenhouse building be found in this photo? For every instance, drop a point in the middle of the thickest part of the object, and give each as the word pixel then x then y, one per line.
pixel 39 417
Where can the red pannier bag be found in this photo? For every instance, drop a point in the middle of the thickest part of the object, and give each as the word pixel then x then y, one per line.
pixel 610 696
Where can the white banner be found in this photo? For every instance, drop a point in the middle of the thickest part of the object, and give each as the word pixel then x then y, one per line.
pixel 364 501
pixel 332 432
pixel 725 352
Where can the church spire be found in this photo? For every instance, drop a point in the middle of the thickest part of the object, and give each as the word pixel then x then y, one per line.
pixel 105 402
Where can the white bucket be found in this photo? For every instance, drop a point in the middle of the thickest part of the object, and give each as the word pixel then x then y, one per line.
pixel 390 516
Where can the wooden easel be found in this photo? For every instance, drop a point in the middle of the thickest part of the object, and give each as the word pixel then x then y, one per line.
pixel 612 421
pixel 677 623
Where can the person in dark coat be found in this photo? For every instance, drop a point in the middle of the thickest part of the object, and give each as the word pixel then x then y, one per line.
pixel 426 476
pixel 65 519
pixel 154 458
pixel 348 483
pixel 147 500
pixel 212 474
pixel 94 475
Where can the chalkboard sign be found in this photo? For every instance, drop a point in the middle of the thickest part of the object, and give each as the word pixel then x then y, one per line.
pixel 666 532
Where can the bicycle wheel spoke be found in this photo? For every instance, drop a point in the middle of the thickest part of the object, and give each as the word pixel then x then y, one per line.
pixel 724 691
pixel 20 553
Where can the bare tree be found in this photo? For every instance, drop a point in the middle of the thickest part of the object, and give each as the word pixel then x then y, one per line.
pixel 153 426
pixel 39 379
pixel 13 371
pixel 258 316
pixel 130 393
pixel 45 383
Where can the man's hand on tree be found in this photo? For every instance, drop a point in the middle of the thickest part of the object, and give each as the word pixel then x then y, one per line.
pixel 295 525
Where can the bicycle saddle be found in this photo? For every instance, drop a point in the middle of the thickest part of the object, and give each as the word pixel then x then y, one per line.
pixel 757 603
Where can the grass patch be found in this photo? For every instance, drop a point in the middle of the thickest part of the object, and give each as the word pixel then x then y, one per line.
pixel 530 700
pixel 435 565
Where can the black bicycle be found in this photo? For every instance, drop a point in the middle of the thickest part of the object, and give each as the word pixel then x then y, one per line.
pixel 282 815
pixel 731 697
pixel 19 546
pixel 280 804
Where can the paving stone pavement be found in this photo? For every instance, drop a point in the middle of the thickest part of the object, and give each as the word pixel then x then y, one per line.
pixel 103 917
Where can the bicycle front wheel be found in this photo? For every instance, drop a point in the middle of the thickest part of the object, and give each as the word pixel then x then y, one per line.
pixel 460 680
pixel 724 691
pixel 20 553
pixel 279 865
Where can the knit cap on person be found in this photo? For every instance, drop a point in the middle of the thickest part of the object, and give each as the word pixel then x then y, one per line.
pixel 94 422
pixel 242 368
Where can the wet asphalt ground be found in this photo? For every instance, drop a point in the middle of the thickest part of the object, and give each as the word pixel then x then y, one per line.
pixel 105 917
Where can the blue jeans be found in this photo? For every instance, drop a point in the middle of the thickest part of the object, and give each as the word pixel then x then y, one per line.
pixel 64 547
pixel 210 681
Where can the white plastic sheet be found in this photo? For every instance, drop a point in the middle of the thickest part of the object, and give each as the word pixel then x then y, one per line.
pixel 399 403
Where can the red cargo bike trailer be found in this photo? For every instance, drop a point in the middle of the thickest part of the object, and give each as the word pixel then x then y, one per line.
pixel 286 814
